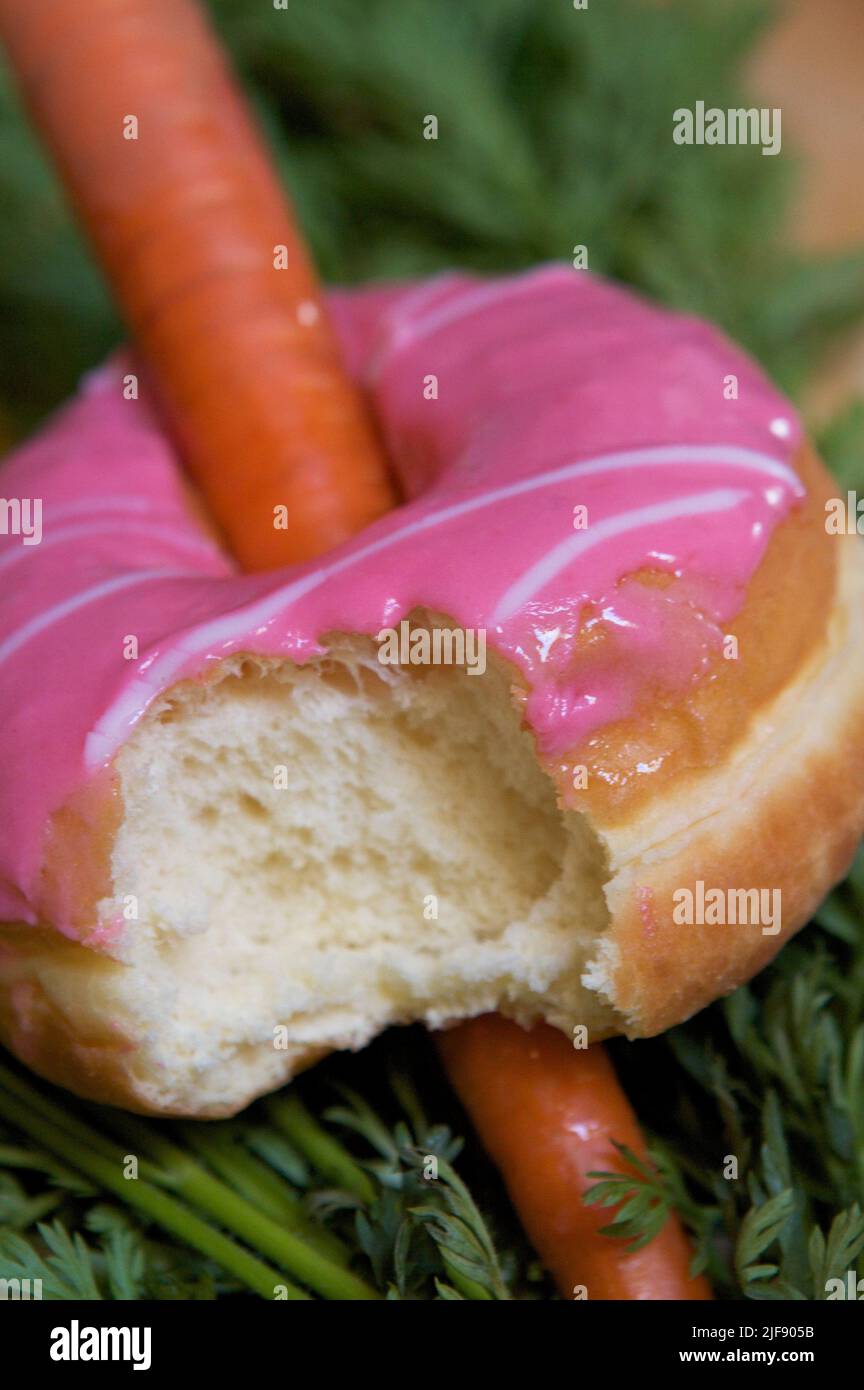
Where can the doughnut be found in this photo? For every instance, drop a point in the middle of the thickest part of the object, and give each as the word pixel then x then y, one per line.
pixel 576 733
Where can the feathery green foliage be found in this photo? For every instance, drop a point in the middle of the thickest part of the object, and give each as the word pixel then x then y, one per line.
pixel 773 1078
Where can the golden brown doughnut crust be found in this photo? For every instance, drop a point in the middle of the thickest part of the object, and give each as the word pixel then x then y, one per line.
pixel 50 1019
pixel 786 811
pixel 92 1060
pixel 781 624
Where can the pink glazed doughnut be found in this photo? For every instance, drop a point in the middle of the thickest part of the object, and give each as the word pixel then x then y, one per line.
pixel 575 733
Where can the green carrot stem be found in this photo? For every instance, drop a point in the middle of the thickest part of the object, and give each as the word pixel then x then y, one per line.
pixel 242 1171
pixel 163 1210
pixel 246 1174
pixel 289 1115
pixel 36 1161
pixel 278 1153
pixel 179 1171
pixel 469 1288
pixel 34 1098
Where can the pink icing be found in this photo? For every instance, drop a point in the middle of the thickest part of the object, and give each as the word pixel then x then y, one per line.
pixel 554 390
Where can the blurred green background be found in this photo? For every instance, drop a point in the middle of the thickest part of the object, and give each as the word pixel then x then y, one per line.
pixel 554 130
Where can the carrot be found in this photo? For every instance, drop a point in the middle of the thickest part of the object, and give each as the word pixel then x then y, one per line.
pixel 169 176
pixel 547 1115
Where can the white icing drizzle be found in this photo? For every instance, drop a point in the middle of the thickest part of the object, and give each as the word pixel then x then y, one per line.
pixel 81 600
pixel 118 719
pixel 535 579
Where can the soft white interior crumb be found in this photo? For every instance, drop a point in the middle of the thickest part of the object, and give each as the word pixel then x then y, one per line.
pixel 311 908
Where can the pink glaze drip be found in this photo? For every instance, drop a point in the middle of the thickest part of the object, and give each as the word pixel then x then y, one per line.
pixel 554 390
